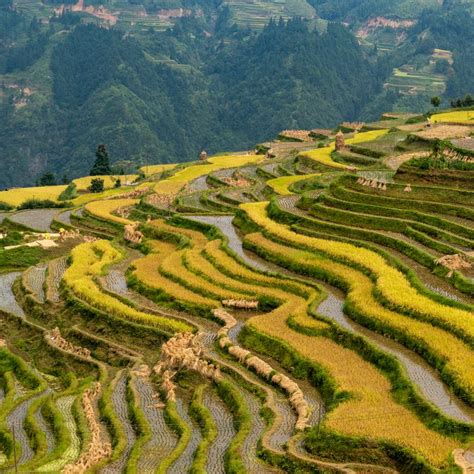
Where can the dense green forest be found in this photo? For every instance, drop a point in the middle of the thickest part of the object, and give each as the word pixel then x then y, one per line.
pixel 69 84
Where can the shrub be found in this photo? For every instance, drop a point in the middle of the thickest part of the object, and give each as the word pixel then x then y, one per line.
pixel 5 207
pixel 96 186
pixel 69 193
pixel 41 204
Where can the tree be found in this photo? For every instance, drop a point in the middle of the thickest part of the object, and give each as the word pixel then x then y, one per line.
pixel 435 101
pixel 468 101
pixel 101 164
pixel 97 185
pixel 118 183
pixel 48 179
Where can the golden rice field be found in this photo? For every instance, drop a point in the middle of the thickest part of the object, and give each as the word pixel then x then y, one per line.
pixel 227 337
pixel 147 271
pixel 83 183
pixel 149 170
pixel 458 356
pixel 458 116
pixel 391 283
pixel 85 198
pixel 230 267
pixel 363 137
pixel 371 389
pixel 282 185
pixel 106 209
pixel 178 181
pixel 17 196
pixel 382 417
pixel 323 155
pixel 90 261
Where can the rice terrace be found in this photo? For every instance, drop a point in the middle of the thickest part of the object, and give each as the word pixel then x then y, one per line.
pixel 305 306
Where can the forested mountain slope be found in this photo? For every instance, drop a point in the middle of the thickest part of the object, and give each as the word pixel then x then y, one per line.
pixel 159 81
pixel 166 96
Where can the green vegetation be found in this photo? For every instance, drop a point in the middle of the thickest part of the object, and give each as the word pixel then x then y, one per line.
pixel 208 428
pixel 101 164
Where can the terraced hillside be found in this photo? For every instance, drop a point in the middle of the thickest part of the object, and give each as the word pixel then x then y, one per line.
pixel 305 307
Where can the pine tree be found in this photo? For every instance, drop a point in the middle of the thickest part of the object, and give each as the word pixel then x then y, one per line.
pixel 101 164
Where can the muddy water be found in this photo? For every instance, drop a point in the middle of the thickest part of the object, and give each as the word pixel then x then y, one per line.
pixel 284 430
pixel 64 217
pixel 116 282
pixel 46 429
pixel 252 463
pixel 225 432
pixel 15 421
pixel 78 212
pixel 224 223
pixel 184 462
pixel 419 372
pixel 163 440
pixel 119 402
pixel 56 269
pixel 38 219
pixel 35 281
pixel 8 302
pixel 199 184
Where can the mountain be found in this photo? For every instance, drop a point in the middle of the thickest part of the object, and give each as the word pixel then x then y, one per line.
pixel 159 81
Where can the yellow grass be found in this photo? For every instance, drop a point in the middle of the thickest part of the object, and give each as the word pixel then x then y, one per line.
pixel 88 197
pixel 195 238
pixel 17 196
pixel 105 209
pixel 230 266
pixel 147 271
pixel 204 283
pixel 148 170
pixel 83 183
pixel 459 116
pixel 371 412
pixel 459 357
pixel 248 290
pixel 367 136
pixel 282 185
pixel 172 265
pixel 90 260
pixel 178 181
pixel 323 155
pixel 390 282
pixel 234 161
